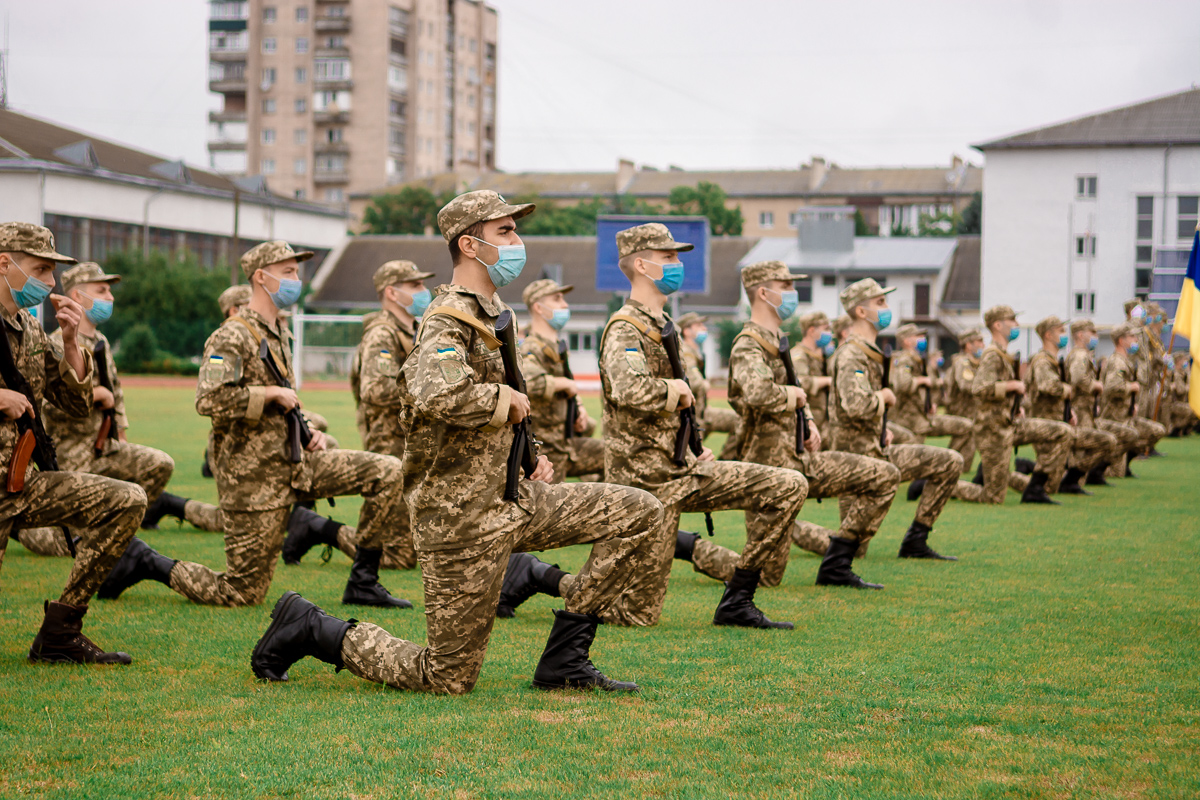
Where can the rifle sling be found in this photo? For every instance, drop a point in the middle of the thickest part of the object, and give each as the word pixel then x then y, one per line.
pixel 771 349
pixel 486 333
pixel 642 327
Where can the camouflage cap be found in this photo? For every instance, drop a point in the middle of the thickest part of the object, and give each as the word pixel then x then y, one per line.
pixel 651 236
pixel 34 240
pixel 909 329
pixel 1082 324
pixel 392 272
pixel 1124 329
pixel 840 324
pixel 1130 305
pixel 482 206
pixel 763 271
pixel 860 292
pixel 689 319
pixel 969 335
pixel 998 313
pixel 1153 308
pixel 87 272
pixel 540 288
pixel 234 296
pixel 268 253
pixel 811 320
pixel 1048 324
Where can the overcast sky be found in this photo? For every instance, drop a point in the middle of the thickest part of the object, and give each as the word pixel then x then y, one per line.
pixel 696 83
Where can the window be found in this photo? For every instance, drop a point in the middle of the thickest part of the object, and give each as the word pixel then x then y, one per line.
pixel 301 44
pixel 921 299
pixel 335 43
pixel 333 135
pixel 395 169
pixel 268 105
pixel 766 219
pixel 471 100
pixel 268 78
pixel 1085 186
pixel 300 136
pixel 396 108
pixel 804 288
pixel 300 167
pixel 335 11
pixel 829 280
pixel 396 138
pixel 302 14
pixel 331 163
pixel 474 45
pixel 331 101
pixel 301 75
pixel 1085 302
pixel 268 136
pixel 398 47
pixel 268 45
pixel 1145 253
pixel 331 69
pixel 333 195
pixel 397 78
pixel 794 220
pixel 1145 219
pixel 1141 280
pixel 298 194
pixel 228 41
pixel 234 9
pixel 1085 246
pixel 268 166
pixel 397 17
pixel 580 341
pixel 1189 213
pixel 268 14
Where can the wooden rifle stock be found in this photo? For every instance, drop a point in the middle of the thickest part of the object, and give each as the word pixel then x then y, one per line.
pixel 520 454
pixel 564 356
pixel 688 435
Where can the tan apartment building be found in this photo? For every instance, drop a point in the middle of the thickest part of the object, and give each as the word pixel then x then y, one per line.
pixel 325 98
pixel 889 198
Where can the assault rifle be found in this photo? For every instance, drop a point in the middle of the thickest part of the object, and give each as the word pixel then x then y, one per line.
pixel 887 376
pixel 520 455
pixel 689 431
pixel 33 443
pixel 789 367
pixel 1062 376
pixel 1016 406
pixel 572 401
pixel 108 421
pixel 298 432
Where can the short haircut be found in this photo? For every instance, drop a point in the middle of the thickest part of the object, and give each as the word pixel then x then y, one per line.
pixel 475 231
pixel 626 263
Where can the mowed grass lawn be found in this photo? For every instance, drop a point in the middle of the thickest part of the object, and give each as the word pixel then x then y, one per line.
pixel 1057 659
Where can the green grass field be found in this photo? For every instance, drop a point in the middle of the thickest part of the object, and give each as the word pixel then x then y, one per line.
pixel 1057 659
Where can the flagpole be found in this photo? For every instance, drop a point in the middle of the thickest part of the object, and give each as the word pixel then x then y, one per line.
pixel 1166 371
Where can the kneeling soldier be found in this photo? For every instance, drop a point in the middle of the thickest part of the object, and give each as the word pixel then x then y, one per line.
pixel 1116 406
pixel 693 333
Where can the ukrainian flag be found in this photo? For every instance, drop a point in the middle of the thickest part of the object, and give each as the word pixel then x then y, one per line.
pixel 1187 318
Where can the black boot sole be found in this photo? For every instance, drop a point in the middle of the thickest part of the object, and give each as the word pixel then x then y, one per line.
pixel 391 602
pixel 859 584
pixel 277 615
pixel 614 687
pixel 771 625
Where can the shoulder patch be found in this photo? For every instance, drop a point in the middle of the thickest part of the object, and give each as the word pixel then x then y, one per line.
pixel 636 361
pixel 763 371
pixel 220 368
pixel 969 374
pixel 450 362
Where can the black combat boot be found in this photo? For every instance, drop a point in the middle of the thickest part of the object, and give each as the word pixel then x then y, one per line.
pixel 205 469
pixel 1129 457
pixel 363 587
pixel 61 639
pixel 685 545
pixel 835 568
pixel 1035 492
pixel 140 562
pixel 306 530
pixel 978 479
pixel 915 546
pixel 526 576
pixel 1070 482
pixel 916 489
pixel 565 663
pixel 166 503
pixel 1095 476
pixel 737 604
pixel 1154 453
pixel 1024 466
pixel 298 629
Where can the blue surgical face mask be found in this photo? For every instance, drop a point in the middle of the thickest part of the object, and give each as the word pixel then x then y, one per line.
pixel 824 339
pixel 979 352
pixel 1133 348
pixel 289 292
pixel 509 263
pixel 941 362
pixel 559 318
pixel 672 277
pixel 884 319
pixel 420 302
pixel 922 345
pixel 1062 341
pixel 787 304
pixel 32 293
pixel 1093 342
pixel 1013 334
pixel 701 337
pixel 830 349
pixel 100 311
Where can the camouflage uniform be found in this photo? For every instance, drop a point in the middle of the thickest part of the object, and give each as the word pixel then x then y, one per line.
pixel 1114 400
pixel 1182 418
pixel 104 513
pixel 712 418
pixel 962 402
pixel 811 364
pixel 1045 390
pixel 1081 375
pixel 910 398
pixel 864 486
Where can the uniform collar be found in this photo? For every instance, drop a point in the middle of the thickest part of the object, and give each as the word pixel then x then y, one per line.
pixel 660 318
pixel 812 351
pixel 258 319
pixel 764 332
pixel 549 342
pixel 13 321
pixel 492 306
pixel 861 342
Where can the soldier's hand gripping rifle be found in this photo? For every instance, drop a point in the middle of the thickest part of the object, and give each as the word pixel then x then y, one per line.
pixel 108 421
pixel 520 455
pixel 887 376
pixel 33 443
pixel 299 435
pixel 1016 406
pixel 789 368
pixel 1062 376
pixel 572 402
pixel 689 431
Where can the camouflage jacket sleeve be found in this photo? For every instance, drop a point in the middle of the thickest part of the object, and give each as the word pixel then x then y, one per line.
pixel 991 376
pixel 748 368
pixel 538 377
pixel 64 389
pixel 804 371
pixel 223 391
pixel 856 397
pixel 1043 376
pixel 1079 372
pixel 903 369
pixel 441 377
pixel 380 358
pixel 623 364
pixel 1117 373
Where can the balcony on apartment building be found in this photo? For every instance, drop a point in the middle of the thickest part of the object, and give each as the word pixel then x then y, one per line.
pixel 323 177
pixel 227 116
pixel 332 19
pixel 227 135
pixel 227 76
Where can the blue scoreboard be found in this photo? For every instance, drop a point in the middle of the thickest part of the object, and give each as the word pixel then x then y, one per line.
pixel 693 230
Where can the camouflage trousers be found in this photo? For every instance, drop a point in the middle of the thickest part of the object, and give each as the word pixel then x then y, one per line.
pixel 964 445
pixel 902 435
pixel 204 516
pixel 864 488
pixel 1176 415
pixel 1051 440
pixel 1092 447
pixel 253 539
pixel 462 586
pixel 398 549
pixel 1149 432
pixel 942 425
pixel 720 420
pixel 104 513
pixel 584 456
pixel 939 467
pixel 771 498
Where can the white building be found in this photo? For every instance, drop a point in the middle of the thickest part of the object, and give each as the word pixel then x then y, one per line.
pixel 99 197
pixel 1076 214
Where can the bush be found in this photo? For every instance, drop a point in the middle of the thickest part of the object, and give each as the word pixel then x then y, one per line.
pixel 139 346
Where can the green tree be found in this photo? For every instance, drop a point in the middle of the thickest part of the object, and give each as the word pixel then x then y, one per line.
pixel 556 220
pixel 939 224
pixel 972 215
pixel 860 224
pixel 408 211
pixel 707 199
